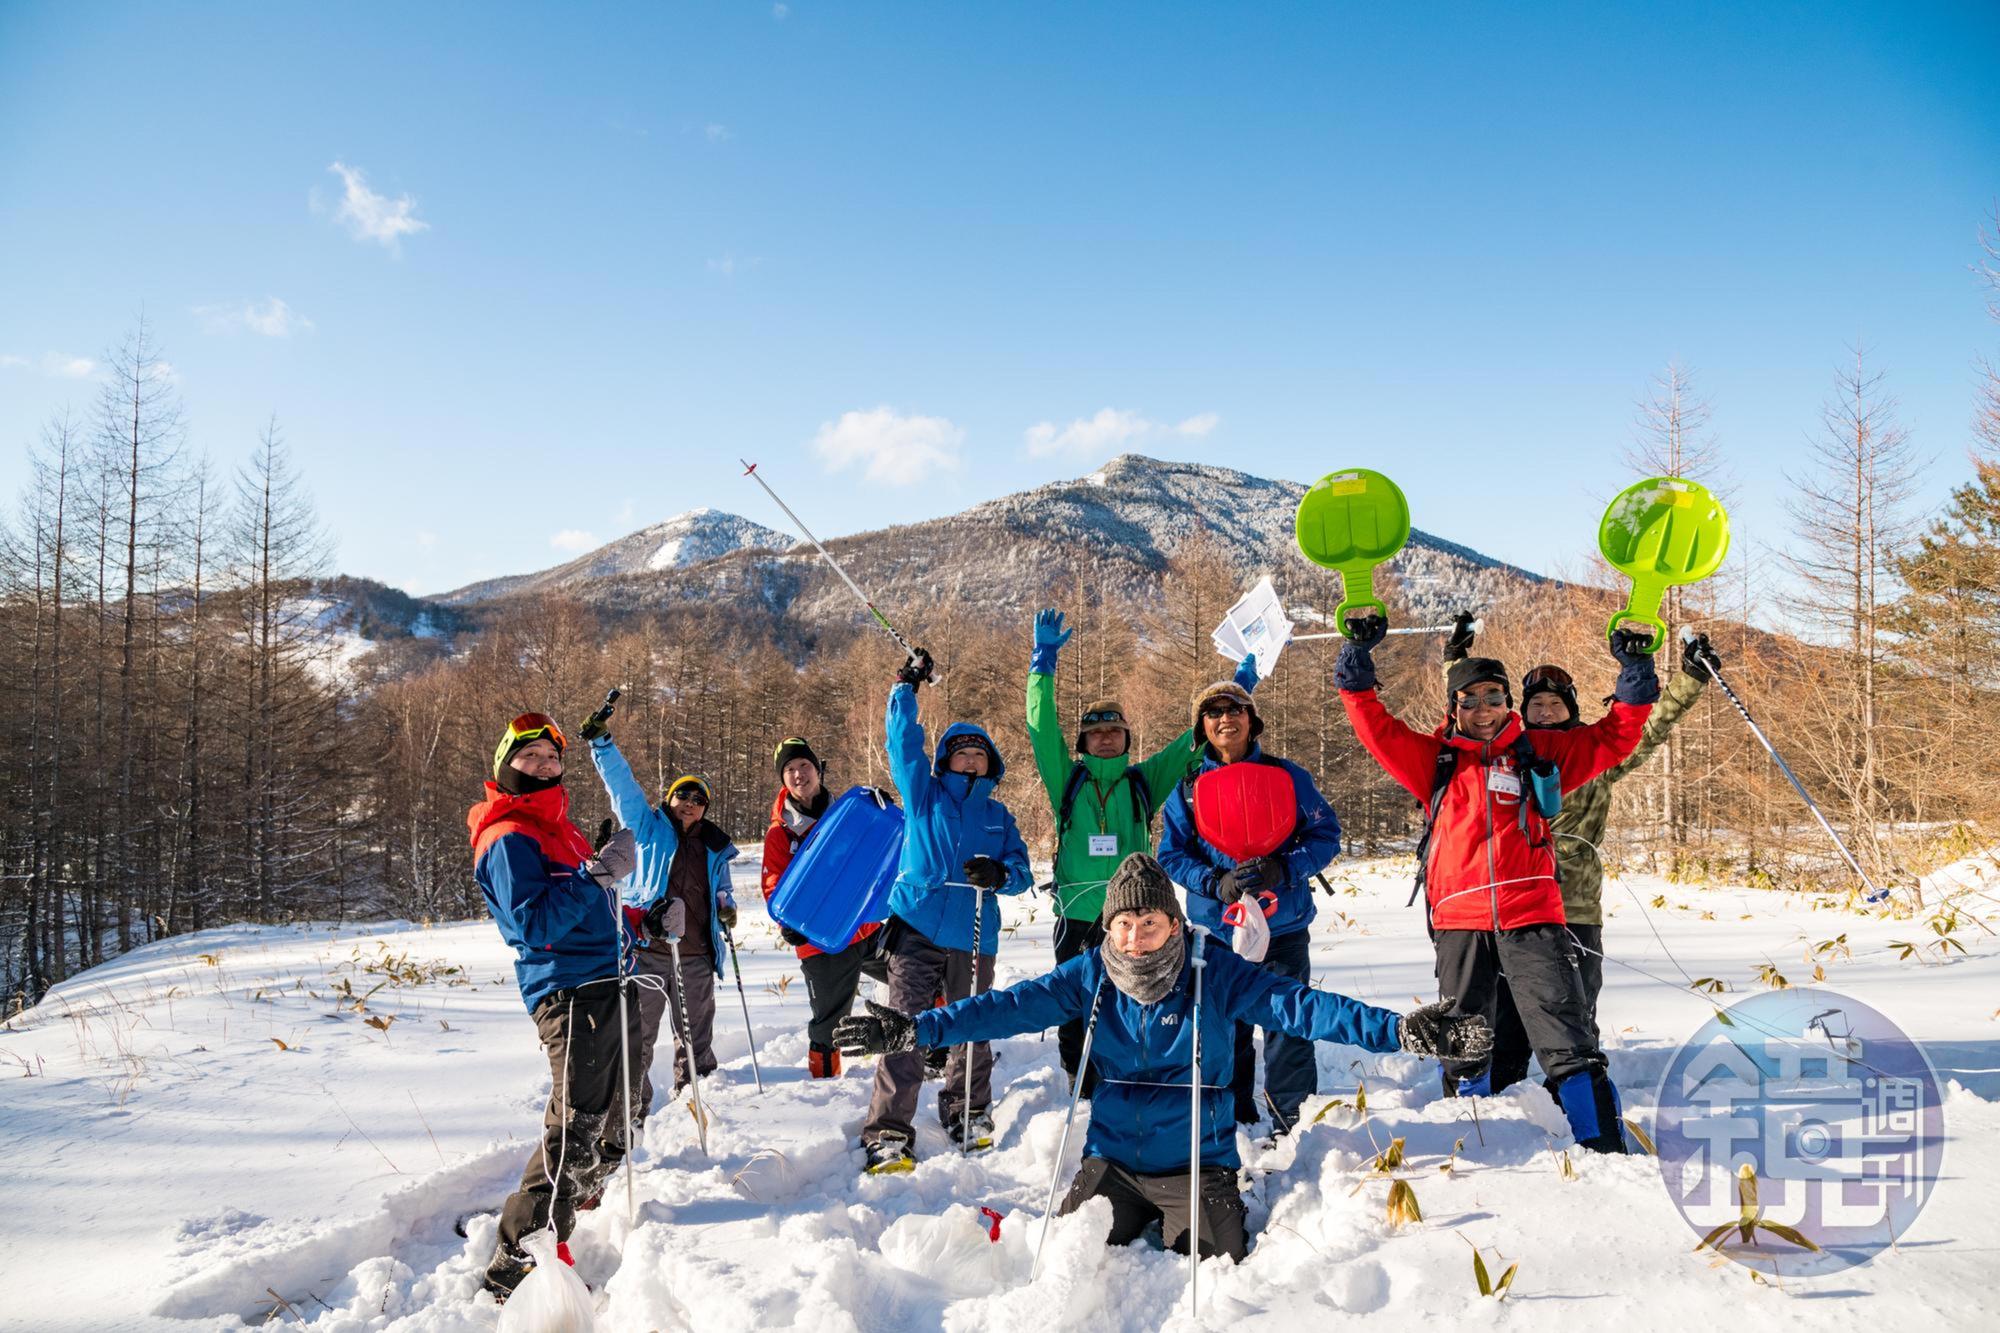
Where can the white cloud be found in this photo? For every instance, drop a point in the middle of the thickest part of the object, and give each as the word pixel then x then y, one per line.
pixel 574 539
pixel 778 12
pixel 56 365
pixel 272 319
pixel 375 217
pixel 895 449
pixel 1110 428
pixel 717 133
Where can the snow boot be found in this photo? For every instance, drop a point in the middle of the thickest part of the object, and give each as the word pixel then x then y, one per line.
pixel 823 1062
pixel 890 1155
pixel 505 1271
pixel 1590 1102
pixel 982 1131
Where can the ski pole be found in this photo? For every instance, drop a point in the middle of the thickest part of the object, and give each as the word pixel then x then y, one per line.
pixel 1200 963
pixel 1714 665
pixel 750 471
pixel 624 1031
pixel 1062 1149
pixel 972 1048
pixel 1477 625
pixel 687 1046
pixel 729 938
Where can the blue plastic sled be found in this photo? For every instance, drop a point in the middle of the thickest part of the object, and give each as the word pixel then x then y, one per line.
pixel 841 876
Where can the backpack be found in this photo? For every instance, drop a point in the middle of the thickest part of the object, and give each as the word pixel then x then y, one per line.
pixel 1142 800
pixel 1543 785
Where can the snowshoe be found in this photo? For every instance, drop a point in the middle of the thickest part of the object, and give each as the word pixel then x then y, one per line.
pixel 982 1132
pixel 890 1155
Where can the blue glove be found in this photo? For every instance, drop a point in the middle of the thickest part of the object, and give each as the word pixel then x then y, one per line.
pixel 1354 670
pixel 1246 672
pixel 1049 637
pixel 1638 683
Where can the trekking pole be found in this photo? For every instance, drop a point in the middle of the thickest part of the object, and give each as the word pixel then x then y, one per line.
pixel 972 1048
pixel 1401 629
pixel 1062 1149
pixel 750 471
pixel 1714 665
pixel 1200 962
pixel 730 939
pixel 687 1046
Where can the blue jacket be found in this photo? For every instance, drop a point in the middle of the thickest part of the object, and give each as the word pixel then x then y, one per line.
pixel 659 837
pixel 1195 866
pixel 1142 1052
pixel 948 818
pixel 562 926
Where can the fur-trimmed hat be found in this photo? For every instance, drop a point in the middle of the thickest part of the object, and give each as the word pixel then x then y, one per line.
pixel 1223 689
pixel 1140 885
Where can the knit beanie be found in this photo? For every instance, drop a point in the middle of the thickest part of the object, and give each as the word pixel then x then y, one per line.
pixel 689 780
pixel 1470 671
pixel 1140 885
pixel 1223 689
pixel 795 747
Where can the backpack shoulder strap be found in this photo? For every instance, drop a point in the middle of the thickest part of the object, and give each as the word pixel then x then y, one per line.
pixel 1078 775
pixel 1441 774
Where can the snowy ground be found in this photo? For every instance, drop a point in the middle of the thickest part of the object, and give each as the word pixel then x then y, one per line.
pixel 213 1129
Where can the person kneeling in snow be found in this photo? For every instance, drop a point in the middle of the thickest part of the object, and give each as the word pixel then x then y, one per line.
pixel 960 847
pixel 1137 992
pixel 556 904
pixel 1486 864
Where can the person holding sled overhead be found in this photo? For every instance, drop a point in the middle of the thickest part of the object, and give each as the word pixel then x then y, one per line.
pixel 1137 991
pixel 1548 701
pixel 683 864
pixel 960 846
pixel 1223 887
pixel 831 978
pixel 556 904
pixel 1486 861
pixel 1103 801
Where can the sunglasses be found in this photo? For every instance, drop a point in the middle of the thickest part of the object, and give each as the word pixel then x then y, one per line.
pixel 1483 699
pixel 1547 675
pixel 688 796
pixel 1222 708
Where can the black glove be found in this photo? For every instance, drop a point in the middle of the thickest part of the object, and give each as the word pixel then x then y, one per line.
pixel 1354 669
pixel 1435 1031
pixel 1231 885
pixel 1459 646
pixel 881 1031
pixel 1696 651
pixel 984 872
pixel 668 917
pixel 792 937
pixel 604 829
pixel 725 912
pixel 915 671
pixel 1637 683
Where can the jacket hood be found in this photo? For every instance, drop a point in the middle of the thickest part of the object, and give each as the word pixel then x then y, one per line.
pixel 550 806
pixel 996 768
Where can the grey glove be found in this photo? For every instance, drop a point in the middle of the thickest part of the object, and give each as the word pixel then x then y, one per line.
pixel 667 920
pixel 881 1031
pixel 615 859
pixel 1437 1032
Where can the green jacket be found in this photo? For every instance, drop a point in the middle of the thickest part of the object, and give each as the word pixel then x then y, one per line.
pixel 1579 829
pixel 1103 808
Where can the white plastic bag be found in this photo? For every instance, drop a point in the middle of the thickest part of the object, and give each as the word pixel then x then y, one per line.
pixel 1252 938
pixel 552 1298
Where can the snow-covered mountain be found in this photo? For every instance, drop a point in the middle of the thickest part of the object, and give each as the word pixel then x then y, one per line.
pixel 693 538
pixel 1116 528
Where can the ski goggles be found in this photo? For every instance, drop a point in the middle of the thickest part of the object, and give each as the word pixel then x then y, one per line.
pixel 523 729
pixel 1553 677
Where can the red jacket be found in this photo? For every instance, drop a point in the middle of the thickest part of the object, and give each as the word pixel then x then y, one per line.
pixel 780 844
pixel 1483 871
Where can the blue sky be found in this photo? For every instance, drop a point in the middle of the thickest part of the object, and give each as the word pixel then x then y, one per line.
pixel 578 262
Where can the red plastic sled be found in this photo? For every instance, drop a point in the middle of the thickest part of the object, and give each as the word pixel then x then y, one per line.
pixel 1245 810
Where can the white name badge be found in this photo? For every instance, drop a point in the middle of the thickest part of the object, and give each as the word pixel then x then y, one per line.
pixel 1104 844
pixel 1503 781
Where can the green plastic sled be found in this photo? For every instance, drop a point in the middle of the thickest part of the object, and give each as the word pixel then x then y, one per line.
pixel 1659 533
pixel 1352 521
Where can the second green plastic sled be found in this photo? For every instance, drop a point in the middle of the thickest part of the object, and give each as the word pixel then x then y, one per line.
pixel 1659 533
pixel 1352 521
